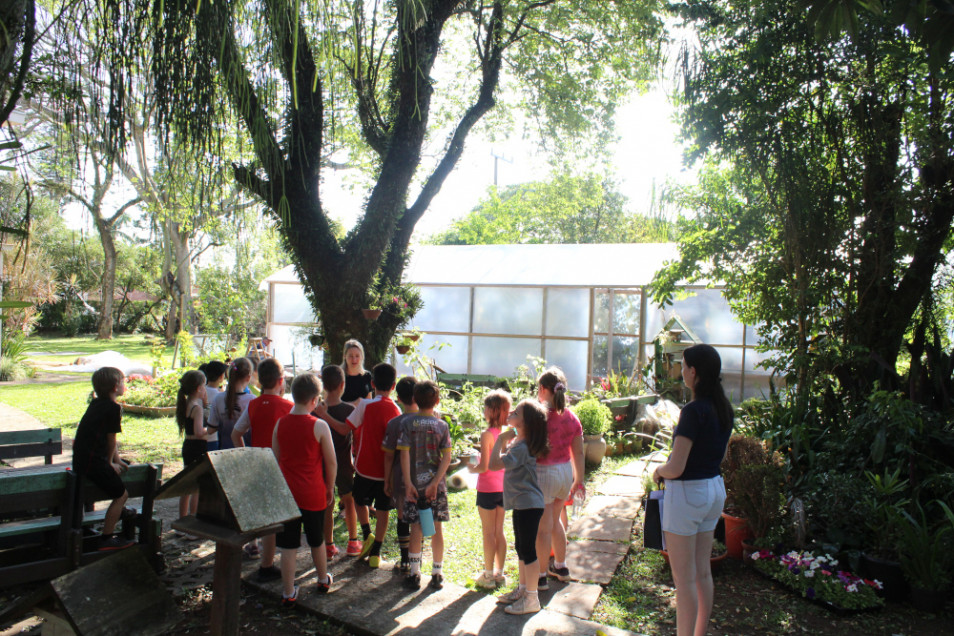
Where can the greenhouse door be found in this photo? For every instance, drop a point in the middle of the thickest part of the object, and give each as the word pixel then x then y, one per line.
pixel 615 332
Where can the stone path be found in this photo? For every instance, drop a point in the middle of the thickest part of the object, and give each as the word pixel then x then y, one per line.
pixel 375 602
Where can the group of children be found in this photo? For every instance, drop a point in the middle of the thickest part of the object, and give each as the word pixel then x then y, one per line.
pixel 400 451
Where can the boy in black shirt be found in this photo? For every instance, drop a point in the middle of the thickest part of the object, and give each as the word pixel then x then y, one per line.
pixel 95 456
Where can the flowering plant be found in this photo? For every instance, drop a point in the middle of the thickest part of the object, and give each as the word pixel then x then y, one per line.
pixel 143 390
pixel 818 578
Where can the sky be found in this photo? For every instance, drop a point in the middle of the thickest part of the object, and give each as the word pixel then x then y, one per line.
pixel 646 154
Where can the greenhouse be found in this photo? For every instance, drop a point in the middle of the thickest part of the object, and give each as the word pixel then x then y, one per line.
pixel 585 308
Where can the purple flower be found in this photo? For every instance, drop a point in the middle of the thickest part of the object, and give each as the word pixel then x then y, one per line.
pixel 810 593
pixel 794 569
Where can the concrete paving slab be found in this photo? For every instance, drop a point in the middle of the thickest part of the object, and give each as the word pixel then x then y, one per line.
pixel 453 610
pixel 595 561
pixel 626 507
pixel 622 486
pixel 632 469
pixel 602 527
pixel 576 599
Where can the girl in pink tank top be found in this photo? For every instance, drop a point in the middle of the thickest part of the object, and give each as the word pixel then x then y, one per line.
pixel 490 492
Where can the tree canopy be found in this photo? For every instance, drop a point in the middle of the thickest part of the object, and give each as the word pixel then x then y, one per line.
pixel 835 210
pixel 396 87
pixel 565 209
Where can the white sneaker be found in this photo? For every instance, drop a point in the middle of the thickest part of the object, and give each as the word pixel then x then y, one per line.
pixel 486 582
pixel 526 605
pixel 512 597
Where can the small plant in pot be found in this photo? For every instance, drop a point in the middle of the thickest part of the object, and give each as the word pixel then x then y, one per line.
pixel 741 451
pixel 596 419
pixel 883 507
pixel 924 551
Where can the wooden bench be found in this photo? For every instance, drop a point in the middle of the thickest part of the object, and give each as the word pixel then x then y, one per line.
pixel 45 443
pixel 45 531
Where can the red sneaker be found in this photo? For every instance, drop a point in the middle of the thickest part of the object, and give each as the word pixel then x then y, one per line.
pixel 332 550
pixel 354 548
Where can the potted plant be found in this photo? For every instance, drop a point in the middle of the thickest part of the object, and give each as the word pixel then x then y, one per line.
pixel 924 550
pixel 596 419
pixel 883 505
pixel 741 451
pixel 759 495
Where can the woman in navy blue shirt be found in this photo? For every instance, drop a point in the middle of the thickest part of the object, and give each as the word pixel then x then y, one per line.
pixel 695 493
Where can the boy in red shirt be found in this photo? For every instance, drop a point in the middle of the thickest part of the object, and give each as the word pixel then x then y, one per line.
pixel 369 421
pixel 306 455
pixel 261 416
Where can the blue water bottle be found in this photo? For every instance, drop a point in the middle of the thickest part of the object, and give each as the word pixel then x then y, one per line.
pixel 426 516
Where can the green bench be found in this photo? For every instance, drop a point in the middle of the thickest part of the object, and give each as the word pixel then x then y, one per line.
pixel 45 530
pixel 44 443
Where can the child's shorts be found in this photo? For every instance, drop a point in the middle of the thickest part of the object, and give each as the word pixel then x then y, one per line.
pixel 193 450
pixel 314 523
pixel 438 506
pixel 692 506
pixel 555 481
pixel 370 492
pixel 344 479
pixel 489 500
pixel 100 473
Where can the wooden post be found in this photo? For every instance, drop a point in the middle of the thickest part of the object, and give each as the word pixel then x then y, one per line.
pixel 226 589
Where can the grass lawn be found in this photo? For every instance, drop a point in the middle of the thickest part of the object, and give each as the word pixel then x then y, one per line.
pixel 52 350
pixel 61 405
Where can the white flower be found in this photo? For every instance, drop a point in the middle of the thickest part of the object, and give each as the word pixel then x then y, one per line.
pixel 810 573
pixel 852 588
pixel 755 556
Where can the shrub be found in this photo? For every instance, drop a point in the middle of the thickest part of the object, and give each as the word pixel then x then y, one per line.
pixel 595 416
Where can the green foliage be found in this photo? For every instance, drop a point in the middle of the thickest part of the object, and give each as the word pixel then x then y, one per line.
pixel 566 209
pixel 820 186
pixel 13 364
pixel 595 416
pixel 147 391
pixel 925 546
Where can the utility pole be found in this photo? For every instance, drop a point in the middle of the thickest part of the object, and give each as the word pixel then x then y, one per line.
pixel 494 154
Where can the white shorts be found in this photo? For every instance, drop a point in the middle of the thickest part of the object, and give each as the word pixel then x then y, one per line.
pixel 692 506
pixel 555 481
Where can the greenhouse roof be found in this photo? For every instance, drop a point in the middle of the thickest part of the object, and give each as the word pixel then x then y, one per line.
pixel 591 265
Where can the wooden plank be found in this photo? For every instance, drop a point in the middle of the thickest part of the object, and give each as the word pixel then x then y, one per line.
pixel 118 594
pixel 40 435
pixel 16 483
pixel 27 526
pixel 38 449
pixel 226 589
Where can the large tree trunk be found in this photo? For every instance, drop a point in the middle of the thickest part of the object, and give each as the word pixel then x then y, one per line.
pixel 177 278
pixel 104 330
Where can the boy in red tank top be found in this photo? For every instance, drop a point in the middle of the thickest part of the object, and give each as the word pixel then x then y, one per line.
pixel 260 416
pixel 306 455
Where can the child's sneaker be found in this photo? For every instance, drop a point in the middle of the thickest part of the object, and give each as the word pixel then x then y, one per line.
pixel 412 581
pixel 331 550
pixel 405 567
pixel 324 588
pixel 513 596
pixel 486 582
pixel 561 574
pixel 437 581
pixel 354 548
pixel 251 550
pixel 290 601
pixel 542 583
pixel 500 580
pixel 271 573
pixel 113 542
pixel 374 561
pixel 526 605
pixel 366 547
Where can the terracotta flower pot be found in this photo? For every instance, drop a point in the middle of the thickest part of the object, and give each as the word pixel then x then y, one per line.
pixel 736 531
pixel 371 314
pixel 594 448
pixel 402 349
